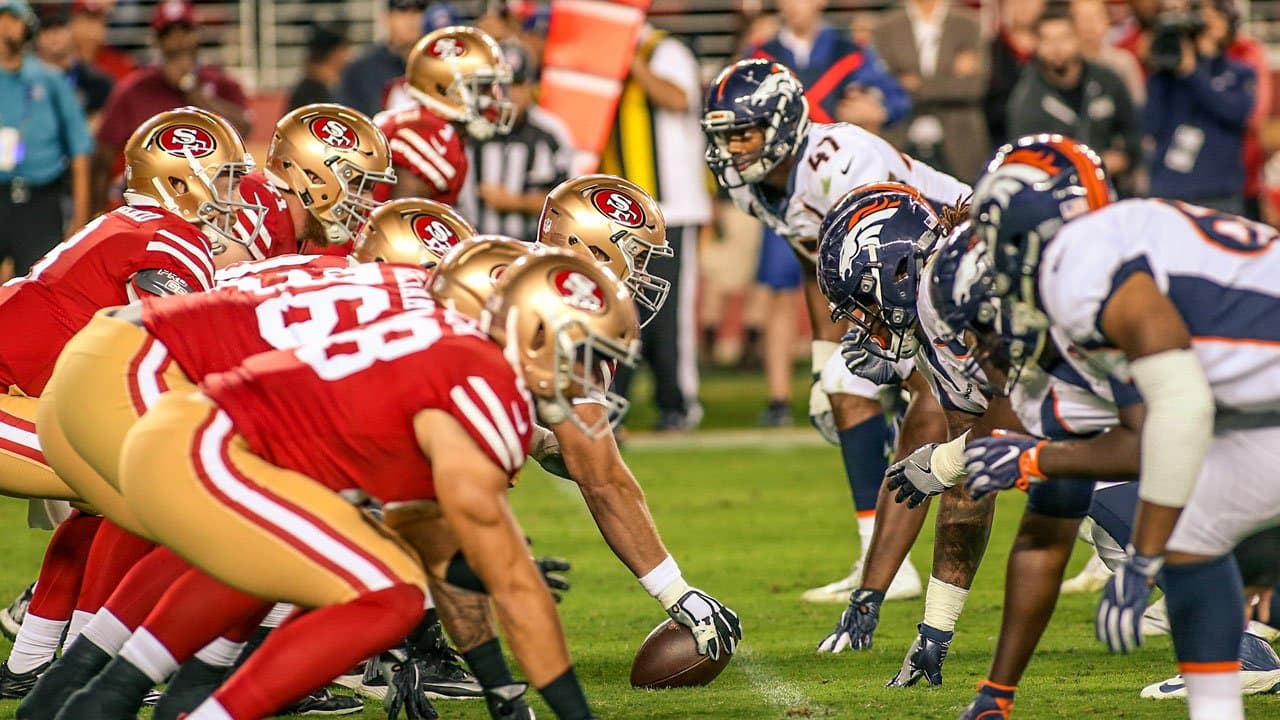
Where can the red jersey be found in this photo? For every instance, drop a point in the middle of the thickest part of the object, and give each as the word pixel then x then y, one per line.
pixel 341 411
pixel 91 270
pixel 276 234
pixel 279 309
pixel 426 146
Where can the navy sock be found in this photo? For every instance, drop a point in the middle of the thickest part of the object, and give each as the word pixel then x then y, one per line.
pixel 1205 610
pixel 863 447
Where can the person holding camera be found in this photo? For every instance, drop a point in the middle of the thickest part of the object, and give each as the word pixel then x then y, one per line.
pixel 1199 103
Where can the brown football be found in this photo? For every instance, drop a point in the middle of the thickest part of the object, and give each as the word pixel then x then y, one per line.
pixel 669 658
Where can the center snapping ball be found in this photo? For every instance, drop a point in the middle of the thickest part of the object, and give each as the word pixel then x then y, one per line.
pixel 669 658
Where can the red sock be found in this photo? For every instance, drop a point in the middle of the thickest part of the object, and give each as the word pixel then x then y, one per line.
pixel 143 586
pixel 314 648
pixel 244 630
pixel 115 551
pixel 197 609
pixel 63 567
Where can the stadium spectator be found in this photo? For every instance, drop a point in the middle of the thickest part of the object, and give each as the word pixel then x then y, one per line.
pixel 328 51
pixel 1011 49
pixel 533 32
pixel 365 80
pixel 88 26
pixel 934 49
pixel 1199 102
pixel 510 175
pixel 501 19
pixel 439 15
pixel 1061 92
pixel 1093 24
pixel 663 150
pixel 1252 53
pixel 176 80
pixel 1134 34
pixel 54 45
pixel 44 146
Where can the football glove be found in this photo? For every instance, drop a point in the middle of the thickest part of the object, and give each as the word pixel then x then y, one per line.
pixel 507 703
pixel 550 567
pixel 1124 599
pixel 857 623
pixel 715 627
pixel 545 449
pixel 913 478
pixel 1002 461
pixel 820 413
pixel 864 364
pixel 404 691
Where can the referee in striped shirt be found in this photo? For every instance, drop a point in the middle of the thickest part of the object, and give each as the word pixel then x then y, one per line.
pixel 511 175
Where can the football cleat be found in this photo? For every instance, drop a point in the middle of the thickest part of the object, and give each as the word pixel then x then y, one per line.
pixel 191 685
pixel 116 693
pixel 351 679
pixel 1155 619
pixel 323 702
pixel 985 707
pixel 11 617
pixel 442 676
pixel 905 586
pixel 1092 578
pixel 18 685
pixel 924 658
pixel 1259 673
pixel 78 665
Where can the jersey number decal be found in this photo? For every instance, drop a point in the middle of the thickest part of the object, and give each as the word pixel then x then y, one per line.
pixel 819 156
pixel 1231 232
pixel 351 352
pixel 54 254
pixel 289 320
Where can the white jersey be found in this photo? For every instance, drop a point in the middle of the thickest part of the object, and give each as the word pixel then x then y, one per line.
pixel 942 362
pixel 836 158
pixel 1073 399
pixel 1218 270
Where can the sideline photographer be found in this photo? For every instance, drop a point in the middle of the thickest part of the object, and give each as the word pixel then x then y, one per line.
pixel 1198 107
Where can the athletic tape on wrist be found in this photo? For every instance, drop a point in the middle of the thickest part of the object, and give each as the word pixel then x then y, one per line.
pixel 947 461
pixel 659 579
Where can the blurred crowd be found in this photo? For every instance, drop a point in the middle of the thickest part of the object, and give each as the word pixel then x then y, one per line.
pixel 1172 94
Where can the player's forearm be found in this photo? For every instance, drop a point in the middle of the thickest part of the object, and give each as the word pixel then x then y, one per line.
pixel 1152 526
pixel 999 415
pixel 1114 453
pixel 618 506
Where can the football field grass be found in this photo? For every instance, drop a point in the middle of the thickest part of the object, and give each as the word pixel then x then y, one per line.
pixel 755 526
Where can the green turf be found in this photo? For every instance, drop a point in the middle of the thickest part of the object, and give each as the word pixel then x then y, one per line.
pixel 756 528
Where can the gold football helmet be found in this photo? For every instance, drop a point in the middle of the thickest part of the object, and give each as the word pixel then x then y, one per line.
pixel 331 157
pixel 190 161
pixel 413 231
pixel 618 224
pixel 460 74
pixel 465 279
pixel 566 322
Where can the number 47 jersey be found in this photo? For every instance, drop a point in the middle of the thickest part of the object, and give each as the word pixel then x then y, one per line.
pixel 1220 271
pixel 214 331
pixel 341 411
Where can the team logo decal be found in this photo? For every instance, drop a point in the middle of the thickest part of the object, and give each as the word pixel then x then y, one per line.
pixel 579 291
pixel 864 228
pixel 618 207
pixel 431 229
pixel 1035 158
pixel 335 133
pixel 178 140
pixel 446 48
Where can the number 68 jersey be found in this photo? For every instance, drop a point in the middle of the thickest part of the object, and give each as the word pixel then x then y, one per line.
pixel 214 331
pixel 1220 271
pixel 341 411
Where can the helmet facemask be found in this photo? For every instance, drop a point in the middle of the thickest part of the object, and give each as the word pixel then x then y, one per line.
pixel 480 102
pixel 221 210
pixel 344 217
pixel 745 168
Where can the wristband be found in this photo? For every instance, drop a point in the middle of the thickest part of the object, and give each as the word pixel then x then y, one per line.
pixel 661 581
pixel 1029 466
pixel 1146 565
pixel 947 461
pixel 820 351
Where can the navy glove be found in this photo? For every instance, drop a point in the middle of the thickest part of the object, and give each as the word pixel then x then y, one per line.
pixel 857 623
pixel 1124 599
pixel 1002 461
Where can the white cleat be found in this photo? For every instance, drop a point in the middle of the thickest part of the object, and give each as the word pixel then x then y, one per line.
pixel 906 584
pixel 1155 620
pixel 1092 578
pixel 1259 673
pixel 837 592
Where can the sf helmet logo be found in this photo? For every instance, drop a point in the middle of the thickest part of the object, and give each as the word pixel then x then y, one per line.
pixel 579 291
pixel 334 133
pixel 619 207
pixel 179 140
pixel 446 48
pixel 432 229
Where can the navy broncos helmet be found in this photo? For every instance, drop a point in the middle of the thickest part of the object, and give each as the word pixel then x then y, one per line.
pixel 871 249
pixel 1002 337
pixel 1030 189
pixel 753 94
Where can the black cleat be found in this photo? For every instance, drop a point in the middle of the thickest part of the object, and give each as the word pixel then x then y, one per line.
pixel 77 666
pixel 924 659
pixel 323 702
pixel 19 685
pixel 115 694
pixel 191 685
pixel 11 617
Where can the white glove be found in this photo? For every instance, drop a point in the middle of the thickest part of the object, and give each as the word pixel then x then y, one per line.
pixel 545 449
pixel 715 627
pixel 820 414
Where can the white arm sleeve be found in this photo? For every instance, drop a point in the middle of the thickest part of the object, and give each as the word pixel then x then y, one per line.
pixel 1178 425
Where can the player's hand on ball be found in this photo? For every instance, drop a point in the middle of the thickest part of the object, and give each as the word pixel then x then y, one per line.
pixel 1002 461
pixel 857 623
pixel 863 363
pixel 1124 599
pixel 507 702
pixel 913 479
pixel 715 627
